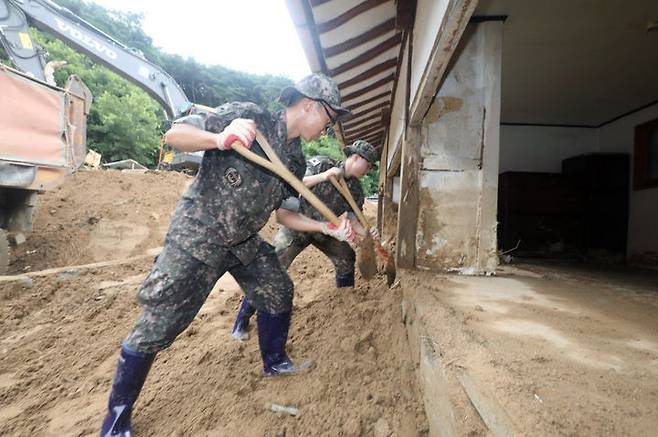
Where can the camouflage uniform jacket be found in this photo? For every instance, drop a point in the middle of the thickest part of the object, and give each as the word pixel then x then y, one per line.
pixel 231 198
pixel 327 192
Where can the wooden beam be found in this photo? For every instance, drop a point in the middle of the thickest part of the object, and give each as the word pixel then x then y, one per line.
pixel 409 198
pixel 353 106
pixel 452 27
pixel 363 128
pixel 348 15
pixel 298 10
pixel 309 30
pixel 381 82
pixel 395 161
pixel 379 30
pixel 368 55
pixel 386 116
pixel 386 65
pixel 381 192
pixel 367 111
pixel 405 42
pixel 376 116
pixel 150 253
pixel 365 132
pixel 374 138
pixel 366 137
pixel 406 14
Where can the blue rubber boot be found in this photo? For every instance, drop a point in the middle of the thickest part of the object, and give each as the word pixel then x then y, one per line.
pixel 128 381
pixel 240 330
pixel 272 337
pixel 345 280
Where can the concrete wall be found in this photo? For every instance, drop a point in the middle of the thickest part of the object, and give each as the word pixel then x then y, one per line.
pixel 542 149
pixel 430 15
pixel 459 160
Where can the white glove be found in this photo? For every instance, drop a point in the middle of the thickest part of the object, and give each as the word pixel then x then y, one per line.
pixel 336 172
pixel 374 233
pixel 344 232
pixel 240 129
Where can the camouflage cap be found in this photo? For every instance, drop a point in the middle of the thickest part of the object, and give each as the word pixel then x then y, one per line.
pixel 316 87
pixel 364 149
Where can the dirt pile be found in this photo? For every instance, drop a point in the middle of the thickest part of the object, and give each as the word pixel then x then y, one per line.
pixel 60 334
pixel 97 216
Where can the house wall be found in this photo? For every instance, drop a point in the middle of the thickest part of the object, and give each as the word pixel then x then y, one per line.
pixel 459 160
pixel 430 16
pixel 542 149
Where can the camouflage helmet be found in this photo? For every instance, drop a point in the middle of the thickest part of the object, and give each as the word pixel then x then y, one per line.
pixel 364 149
pixel 316 87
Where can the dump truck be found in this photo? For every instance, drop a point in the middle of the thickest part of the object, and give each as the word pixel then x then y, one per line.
pixel 44 126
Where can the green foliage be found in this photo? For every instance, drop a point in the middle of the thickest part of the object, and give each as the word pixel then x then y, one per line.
pixel 3 57
pixel 124 121
pixel 324 146
pixel 126 127
pixel 370 182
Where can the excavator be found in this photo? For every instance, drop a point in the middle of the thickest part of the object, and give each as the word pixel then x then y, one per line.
pixel 44 126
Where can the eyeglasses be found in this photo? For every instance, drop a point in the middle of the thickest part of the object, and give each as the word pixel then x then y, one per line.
pixel 332 120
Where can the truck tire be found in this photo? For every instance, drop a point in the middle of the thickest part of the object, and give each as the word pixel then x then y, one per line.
pixel 4 252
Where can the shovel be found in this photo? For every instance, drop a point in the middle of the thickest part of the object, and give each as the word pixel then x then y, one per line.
pixel 389 263
pixel 277 167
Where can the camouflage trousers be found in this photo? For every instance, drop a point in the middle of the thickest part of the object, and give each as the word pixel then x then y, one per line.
pixel 178 285
pixel 288 244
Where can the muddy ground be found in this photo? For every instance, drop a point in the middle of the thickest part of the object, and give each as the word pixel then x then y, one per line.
pixel 564 349
pixel 60 333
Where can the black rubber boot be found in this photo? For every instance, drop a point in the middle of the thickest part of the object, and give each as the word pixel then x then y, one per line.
pixel 345 280
pixel 128 381
pixel 240 330
pixel 272 337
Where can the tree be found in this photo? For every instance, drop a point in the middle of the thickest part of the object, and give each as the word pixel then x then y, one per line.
pixel 124 121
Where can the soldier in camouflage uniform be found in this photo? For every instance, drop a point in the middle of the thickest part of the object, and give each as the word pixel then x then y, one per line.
pixel 214 230
pixel 289 243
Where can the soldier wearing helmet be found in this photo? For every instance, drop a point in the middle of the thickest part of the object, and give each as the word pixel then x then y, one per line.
pixel 360 158
pixel 214 230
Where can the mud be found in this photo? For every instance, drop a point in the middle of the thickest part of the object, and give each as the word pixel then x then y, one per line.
pixel 60 334
pixel 564 349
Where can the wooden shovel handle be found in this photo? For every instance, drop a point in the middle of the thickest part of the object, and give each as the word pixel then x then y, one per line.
pixel 345 191
pixel 276 166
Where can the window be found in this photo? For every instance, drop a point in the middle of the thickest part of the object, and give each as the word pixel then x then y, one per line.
pixel 645 173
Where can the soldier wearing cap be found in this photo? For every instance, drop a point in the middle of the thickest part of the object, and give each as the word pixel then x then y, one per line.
pixel 289 243
pixel 214 230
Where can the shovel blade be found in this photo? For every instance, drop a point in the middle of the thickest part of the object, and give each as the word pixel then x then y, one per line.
pixel 366 260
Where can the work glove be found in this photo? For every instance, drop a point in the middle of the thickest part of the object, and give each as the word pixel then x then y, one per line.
pixel 343 232
pixel 374 233
pixel 336 172
pixel 240 129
